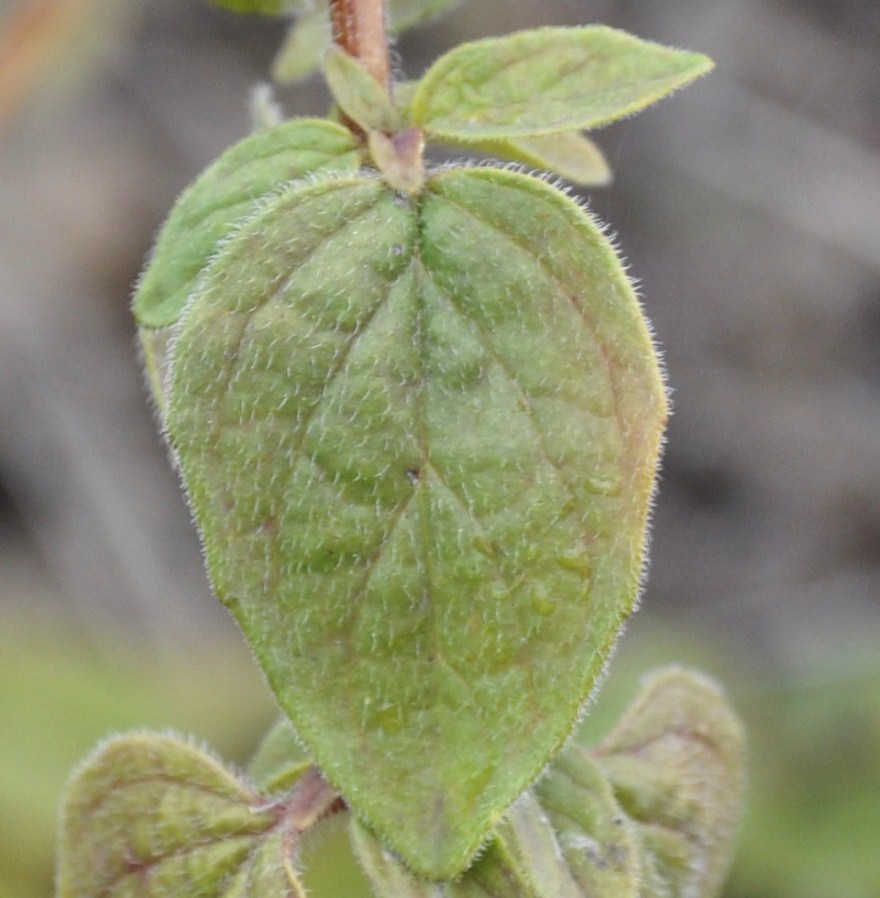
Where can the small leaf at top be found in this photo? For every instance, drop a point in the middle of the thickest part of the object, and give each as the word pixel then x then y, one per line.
pixel 571 155
pixel 676 763
pixel 404 14
pixel 154 816
pixel 264 7
pixel 547 81
pixel 419 436
pixel 357 93
pixel 207 211
pixel 300 55
pixel 303 47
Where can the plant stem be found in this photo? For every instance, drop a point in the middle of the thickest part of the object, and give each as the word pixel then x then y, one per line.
pixel 359 28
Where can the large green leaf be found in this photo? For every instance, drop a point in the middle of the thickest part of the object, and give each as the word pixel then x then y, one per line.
pixel 150 815
pixel 207 211
pixel 547 81
pixel 649 815
pixel 419 436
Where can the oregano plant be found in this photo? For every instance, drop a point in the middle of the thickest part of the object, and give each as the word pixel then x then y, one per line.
pixel 417 413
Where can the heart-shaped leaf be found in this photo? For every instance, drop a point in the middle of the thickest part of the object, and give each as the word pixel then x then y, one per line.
pixel 419 435
pixel 227 191
pixel 151 815
pixel 547 81
pixel 676 762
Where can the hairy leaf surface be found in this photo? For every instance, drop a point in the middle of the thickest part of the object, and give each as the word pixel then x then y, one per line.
pixel 571 838
pixel 225 192
pixel 547 81
pixel 151 815
pixel 494 875
pixel 676 762
pixel 571 155
pixel 357 92
pixel 572 842
pixel 419 436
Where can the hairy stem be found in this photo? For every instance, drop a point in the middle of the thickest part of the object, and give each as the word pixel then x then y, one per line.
pixel 359 28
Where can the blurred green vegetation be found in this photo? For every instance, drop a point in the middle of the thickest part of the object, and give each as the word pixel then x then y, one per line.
pixel 813 816
pixel 60 695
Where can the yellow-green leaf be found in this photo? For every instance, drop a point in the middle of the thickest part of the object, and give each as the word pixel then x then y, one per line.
pixel 676 762
pixel 150 815
pixel 357 93
pixel 547 81
pixel 571 155
pixel 304 45
pixel 571 838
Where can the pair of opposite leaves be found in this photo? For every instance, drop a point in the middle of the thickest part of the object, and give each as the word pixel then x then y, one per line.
pixel 419 430
pixel 649 813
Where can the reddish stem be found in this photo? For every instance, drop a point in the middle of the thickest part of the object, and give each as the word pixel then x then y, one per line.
pixel 359 28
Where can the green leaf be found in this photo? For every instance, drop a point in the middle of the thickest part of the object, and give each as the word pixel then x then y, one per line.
pixel 308 38
pixel 225 193
pixel 300 54
pixel 357 92
pixel 571 838
pixel 264 7
pixel 280 760
pixel 676 762
pixel 405 14
pixel 547 81
pixel 151 815
pixel 419 436
pixel 494 875
pixel 154 358
pixel 574 843
pixel 571 155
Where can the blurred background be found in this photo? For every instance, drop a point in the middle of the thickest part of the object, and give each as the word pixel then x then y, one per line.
pixel 749 208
